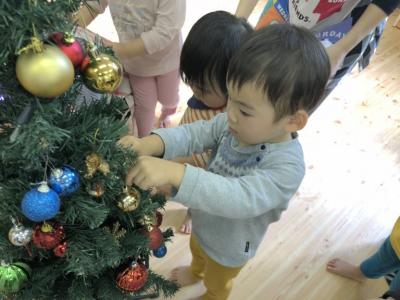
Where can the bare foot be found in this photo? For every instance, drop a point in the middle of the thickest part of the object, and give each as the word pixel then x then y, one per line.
pixel 186 226
pixel 183 277
pixel 343 268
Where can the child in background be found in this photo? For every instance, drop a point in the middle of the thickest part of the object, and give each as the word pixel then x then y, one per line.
pixel 203 67
pixel 149 49
pixel 274 81
pixel 350 29
pixel 385 260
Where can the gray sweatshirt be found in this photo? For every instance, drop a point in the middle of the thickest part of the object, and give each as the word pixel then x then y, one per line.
pixel 242 191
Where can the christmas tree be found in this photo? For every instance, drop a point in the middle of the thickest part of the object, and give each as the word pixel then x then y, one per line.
pixel 70 229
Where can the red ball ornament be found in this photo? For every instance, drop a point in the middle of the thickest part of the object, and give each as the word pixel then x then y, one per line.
pixel 133 278
pixel 156 237
pixel 72 47
pixel 159 218
pixel 60 249
pixel 48 236
pixel 85 62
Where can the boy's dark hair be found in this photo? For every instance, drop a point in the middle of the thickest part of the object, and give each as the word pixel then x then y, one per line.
pixel 208 48
pixel 288 63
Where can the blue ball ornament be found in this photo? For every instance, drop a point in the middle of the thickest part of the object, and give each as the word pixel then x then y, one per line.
pixel 160 252
pixel 64 181
pixel 40 204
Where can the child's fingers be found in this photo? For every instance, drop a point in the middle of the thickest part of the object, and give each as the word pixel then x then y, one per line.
pixel 147 185
pixel 123 142
pixel 142 182
pixel 126 141
pixel 130 177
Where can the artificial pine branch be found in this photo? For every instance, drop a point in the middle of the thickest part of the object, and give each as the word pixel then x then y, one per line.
pixel 65 130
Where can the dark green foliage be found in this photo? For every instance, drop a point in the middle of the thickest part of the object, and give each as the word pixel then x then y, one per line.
pixel 65 130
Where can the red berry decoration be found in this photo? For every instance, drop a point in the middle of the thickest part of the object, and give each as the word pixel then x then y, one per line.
pixel 72 47
pixel 47 236
pixel 133 278
pixel 60 249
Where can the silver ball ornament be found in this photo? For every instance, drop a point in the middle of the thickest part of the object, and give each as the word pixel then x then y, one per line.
pixel 20 235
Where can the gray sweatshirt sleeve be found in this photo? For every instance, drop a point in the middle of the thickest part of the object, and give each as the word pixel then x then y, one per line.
pixel 192 138
pixel 240 197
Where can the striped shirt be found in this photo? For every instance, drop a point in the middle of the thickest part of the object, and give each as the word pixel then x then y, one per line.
pixel 196 111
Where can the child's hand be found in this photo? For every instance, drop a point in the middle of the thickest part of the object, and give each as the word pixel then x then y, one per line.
pixel 151 145
pixel 165 190
pixel 130 141
pixel 150 172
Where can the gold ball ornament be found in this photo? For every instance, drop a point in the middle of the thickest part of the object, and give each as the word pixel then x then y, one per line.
pixel 130 201
pixel 47 73
pixel 103 74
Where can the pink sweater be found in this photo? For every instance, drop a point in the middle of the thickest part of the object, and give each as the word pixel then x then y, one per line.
pixel 158 23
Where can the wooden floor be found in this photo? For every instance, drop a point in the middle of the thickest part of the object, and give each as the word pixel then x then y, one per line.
pixel 349 198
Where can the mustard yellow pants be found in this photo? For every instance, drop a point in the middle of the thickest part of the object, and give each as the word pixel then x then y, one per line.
pixel 218 279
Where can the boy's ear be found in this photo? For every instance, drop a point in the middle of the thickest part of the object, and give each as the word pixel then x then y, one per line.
pixel 297 121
